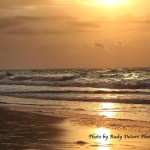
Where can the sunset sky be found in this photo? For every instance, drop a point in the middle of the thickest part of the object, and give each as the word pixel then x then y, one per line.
pixel 45 34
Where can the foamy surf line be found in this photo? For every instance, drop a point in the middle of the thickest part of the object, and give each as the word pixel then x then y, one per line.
pixel 14 88
pixel 109 110
pixel 78 90
pixel 78 97
pixel 137 96
pixel 136 78
pixel 100 84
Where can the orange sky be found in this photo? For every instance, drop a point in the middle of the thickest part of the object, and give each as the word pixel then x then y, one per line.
pixel 74 34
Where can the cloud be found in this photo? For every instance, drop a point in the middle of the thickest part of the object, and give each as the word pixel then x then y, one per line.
pixel 123 42
pixel 56 24
pixel 30 31
pixel 85 24
pixel 129 18
pixel 21 24
pixel 42 18
pixel 99 45
pixel 8 22
pixel 9 3
pixel 17 19
pixel 22 30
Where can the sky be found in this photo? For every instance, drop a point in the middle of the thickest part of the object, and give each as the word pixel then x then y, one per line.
pixel 57 34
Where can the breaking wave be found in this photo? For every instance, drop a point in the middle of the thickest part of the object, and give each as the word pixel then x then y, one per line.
pixel 121 85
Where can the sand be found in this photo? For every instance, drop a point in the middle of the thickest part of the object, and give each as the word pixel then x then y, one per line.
pixel 48 128
pixel 21 130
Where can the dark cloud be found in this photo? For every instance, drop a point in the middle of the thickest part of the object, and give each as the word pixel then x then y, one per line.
pixel 27 25
pixel 42 18
pixel 85 24
pixel 17 19
pixel 120 43
pixel 29 31
pixel 9 22
pixel 22 30
pixel 8 3
pixel 22 21
pixel 100 45
pixel 123 42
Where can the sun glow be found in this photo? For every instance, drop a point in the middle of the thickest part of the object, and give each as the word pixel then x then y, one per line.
pixel 112 2
pixel 107 2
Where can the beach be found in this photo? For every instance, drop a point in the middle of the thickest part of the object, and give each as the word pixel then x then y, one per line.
pixel 74 74
pixel 56 128
pixel 70 109
pixel 21 130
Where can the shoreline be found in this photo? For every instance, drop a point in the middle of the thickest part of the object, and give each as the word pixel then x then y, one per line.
pixel 56 128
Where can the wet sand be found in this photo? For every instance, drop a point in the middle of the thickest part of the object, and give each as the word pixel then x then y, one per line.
pixel 20 130
pixel 47 128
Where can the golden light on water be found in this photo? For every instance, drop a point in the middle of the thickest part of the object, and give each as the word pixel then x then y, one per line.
pixel 107 110
pixel 103 132
pixel 103 148
pixel 108 105
pixel 104 142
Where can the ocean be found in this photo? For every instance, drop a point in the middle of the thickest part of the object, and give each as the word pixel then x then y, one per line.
pixel 82 89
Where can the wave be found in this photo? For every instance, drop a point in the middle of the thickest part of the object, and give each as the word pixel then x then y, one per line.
pixel 99 78
pixel 42 78
pixel 135 96
pixel 78 98
pixel 62 78
pixel 80 92
pixel 70 82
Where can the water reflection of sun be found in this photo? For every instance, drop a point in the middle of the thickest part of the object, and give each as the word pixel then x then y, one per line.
pixel 103 132
pixel 103 148
pixel 103 141
pixel 108 110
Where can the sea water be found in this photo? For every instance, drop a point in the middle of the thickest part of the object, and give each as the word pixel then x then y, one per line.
pixel 113 93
